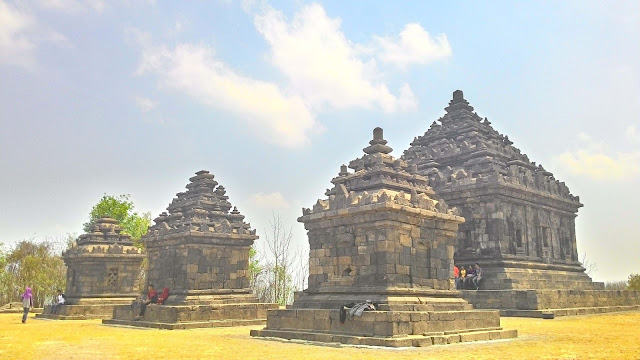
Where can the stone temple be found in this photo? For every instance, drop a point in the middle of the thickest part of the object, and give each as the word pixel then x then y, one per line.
pixel 519 219
pixel 103 270
pixel 200 251
pixel 382 236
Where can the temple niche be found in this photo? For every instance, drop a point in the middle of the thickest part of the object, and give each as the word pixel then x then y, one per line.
pixel 103 270
pixel 382 236
pixel 519 219
pixel 199 249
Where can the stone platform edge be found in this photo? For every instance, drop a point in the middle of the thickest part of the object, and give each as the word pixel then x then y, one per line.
pixel 443 338
pixel 552 313
pixel 184 325
pixel 73 317
pixel 20 311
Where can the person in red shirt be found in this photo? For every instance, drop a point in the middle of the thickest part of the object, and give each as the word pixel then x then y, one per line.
pixel 163 297
pixel 456 276
pixel 152 298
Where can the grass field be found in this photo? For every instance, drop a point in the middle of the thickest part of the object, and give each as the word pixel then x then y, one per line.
pixel 605 336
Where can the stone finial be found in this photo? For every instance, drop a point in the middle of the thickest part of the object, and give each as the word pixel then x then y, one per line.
pixel 343 170
pixel 457 106
pixel 378 144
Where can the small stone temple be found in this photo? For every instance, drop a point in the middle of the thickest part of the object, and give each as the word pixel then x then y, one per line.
pixel 199 249
pixel 519 219
pixel 103 270
pixel 382 237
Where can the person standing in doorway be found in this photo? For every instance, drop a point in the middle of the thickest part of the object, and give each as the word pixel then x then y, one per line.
pixel 27 303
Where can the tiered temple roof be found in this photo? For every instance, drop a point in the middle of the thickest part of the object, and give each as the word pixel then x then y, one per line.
pixel 105 236
pixel 378 177
pixel 461 148
pixel 203 208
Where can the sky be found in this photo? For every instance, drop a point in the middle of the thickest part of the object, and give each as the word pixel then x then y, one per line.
pixel 133 97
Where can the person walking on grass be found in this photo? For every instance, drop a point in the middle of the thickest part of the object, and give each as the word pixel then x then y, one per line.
pixel 27 303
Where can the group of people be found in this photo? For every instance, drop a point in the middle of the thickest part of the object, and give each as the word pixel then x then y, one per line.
pixel 469 278
pixel 61 299
pixel 152 298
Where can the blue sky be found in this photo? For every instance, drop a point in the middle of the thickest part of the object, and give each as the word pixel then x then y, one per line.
pixel 272 97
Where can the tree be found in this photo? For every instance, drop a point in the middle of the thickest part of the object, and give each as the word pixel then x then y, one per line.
pixel 589 265
pixel 279 245
pixel 634 282
pixel 255 268
pixel 280 269
pixel 120 208
pixel 34 264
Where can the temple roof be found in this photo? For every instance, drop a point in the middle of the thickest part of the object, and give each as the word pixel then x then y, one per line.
pixel 105 230
pixel 204 207
pixel 462 148
pixel 378 177
pixel 105 237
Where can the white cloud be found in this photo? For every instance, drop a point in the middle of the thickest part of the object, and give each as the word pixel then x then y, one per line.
pixel 20 35
pixel 322 65
pixel 273 200
pixel 594 161
pixel 16 43
pixel 75 6
pixel 145 104
pixel 632 134
pixel 412 46
pixel 277 117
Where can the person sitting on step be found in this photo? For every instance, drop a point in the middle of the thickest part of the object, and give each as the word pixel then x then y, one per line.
pixel 163 297
pixel 60 300
pixel 478 276
pixel 152 298
pixel 468 280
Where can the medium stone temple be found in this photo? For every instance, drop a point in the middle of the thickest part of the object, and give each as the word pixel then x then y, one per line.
pixel 519 219
pixel 103 270
pixel 382 236
pixel 199 249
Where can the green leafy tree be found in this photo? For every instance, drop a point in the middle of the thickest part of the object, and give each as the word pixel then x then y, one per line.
pixel 34 264
pixel 255 269
pixel 634 282
pixel 122 209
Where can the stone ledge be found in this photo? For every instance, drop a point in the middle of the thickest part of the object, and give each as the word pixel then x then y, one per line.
pixel 184 325
pixel 20 311
pixel 73 317
pixel 406 341
pixel 552 313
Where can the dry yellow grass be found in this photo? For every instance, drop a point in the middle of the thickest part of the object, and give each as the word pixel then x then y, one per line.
pixel 607 336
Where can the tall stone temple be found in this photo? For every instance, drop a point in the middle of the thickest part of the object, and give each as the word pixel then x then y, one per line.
pixel 103 270
pixel 519 219
pixel 382 236
pixel 199 249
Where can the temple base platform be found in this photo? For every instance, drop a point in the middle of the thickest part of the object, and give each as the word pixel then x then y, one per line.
pixel 222 310
pixel 548 304
pixel 402 318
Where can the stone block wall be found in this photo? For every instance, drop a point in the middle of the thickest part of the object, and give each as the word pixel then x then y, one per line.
pixel 550 299
pixel 198 266
pixel 102 276
pixel 392 248
pixel 382 323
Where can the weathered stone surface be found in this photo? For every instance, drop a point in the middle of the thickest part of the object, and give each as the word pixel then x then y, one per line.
pixel 199 249
pixel 103 270
pixel 519 219
pixel 381 236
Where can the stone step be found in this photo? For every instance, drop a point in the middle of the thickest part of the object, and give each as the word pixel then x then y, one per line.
pixel 406 341
pixel 185 325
